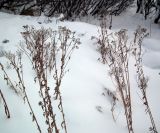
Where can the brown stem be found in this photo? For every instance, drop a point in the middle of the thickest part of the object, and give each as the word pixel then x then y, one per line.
pixel 5 105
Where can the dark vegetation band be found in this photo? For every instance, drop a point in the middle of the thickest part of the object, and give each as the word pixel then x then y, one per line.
pixel 69 8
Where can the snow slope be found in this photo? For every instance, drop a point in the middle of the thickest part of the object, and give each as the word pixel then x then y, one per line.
pixel 83 86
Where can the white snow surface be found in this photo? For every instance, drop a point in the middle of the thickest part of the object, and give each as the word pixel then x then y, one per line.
pixel 83 86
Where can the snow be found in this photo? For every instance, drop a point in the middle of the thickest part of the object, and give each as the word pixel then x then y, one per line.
pixel 83 86
pixel 152 54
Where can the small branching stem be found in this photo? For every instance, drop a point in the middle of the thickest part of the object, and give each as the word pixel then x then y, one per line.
pixel 8 80
pixel 17 66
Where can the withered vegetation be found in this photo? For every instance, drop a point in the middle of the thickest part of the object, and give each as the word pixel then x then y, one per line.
pixel 49 53
pixel 115 50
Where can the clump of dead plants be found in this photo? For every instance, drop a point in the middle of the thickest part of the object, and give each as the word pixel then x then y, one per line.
pixel 115 52
pixel 49 52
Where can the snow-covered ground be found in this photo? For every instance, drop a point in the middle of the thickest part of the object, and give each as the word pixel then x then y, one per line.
pixel 84 85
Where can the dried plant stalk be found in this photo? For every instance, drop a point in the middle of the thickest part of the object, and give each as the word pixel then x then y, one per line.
pixel 36 44
pixel 8 80
pixel 142 80
pixel 6 109
pixel 67 43
pixel 114 53
pixel 114 99
pixel 50 52
pixel 16 63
